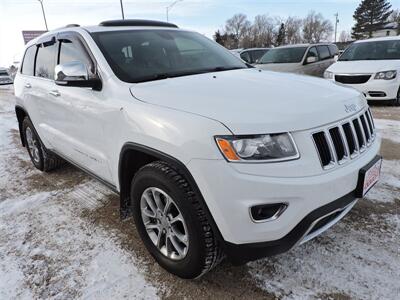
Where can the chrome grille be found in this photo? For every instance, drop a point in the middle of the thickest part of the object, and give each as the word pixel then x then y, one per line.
pixel 345 141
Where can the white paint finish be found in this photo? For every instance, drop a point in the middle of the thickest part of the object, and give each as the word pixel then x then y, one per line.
pixel 253 102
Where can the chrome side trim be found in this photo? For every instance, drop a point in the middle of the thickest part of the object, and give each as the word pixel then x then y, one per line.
pixel 307 237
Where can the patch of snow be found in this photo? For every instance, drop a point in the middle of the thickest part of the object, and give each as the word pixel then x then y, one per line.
pixel 389 129
pixel 388 187
pixel 343 260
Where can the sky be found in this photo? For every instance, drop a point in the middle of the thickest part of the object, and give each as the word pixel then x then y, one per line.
pixel 204 16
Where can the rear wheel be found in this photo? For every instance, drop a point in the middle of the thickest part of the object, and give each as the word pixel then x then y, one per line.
pixel 41 158
pixel 172 222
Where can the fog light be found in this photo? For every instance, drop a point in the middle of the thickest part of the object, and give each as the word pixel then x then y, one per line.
pixel 267 212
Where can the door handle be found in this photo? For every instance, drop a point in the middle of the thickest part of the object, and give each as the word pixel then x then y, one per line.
pixel 54 93
pixel 28 85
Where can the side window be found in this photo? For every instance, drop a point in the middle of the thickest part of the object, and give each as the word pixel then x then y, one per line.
pixel 46 61
pixel 28 63
pixel 70 51
pixel 246 57
pixel 257 54
pixel 334 50
pixel 313 53
pixel 324 52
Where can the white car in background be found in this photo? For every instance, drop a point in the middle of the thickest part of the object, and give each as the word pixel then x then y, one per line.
pixel 5 78
pixel 372 67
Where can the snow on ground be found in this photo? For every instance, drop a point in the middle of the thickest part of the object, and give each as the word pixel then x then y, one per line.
pixel 389 129
pixel 47 250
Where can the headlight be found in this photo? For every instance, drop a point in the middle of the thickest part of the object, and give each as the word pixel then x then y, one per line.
pixel 258 148
pixel 328 75
pixel 387 75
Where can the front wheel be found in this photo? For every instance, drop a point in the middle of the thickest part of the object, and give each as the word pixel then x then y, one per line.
pixel 396 102
pixel 172 221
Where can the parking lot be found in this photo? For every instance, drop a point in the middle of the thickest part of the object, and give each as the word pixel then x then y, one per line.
pixel 61 238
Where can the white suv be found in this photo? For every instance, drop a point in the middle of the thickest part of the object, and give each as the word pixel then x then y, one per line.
pixel 208 164
pixel 372 67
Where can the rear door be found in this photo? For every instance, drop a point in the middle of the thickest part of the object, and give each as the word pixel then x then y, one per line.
pixel 326 58
pixel 40 86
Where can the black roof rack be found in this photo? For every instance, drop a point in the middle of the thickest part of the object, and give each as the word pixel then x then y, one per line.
pixel 134 22
pixel 73 25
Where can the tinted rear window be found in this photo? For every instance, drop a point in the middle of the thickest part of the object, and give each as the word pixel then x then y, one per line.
pixel 45 61
pixel 29 61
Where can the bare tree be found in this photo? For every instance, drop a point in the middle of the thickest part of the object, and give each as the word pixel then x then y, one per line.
pixel 316 28
pixel 293 27
pixel 238 26
pixel 344 37
pixel 395 18
pixel 263 31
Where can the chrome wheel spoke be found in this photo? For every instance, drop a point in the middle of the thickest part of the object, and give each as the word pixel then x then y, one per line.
pixel 152 226
pixel 150 205
pixel 180 236
pixel 179 249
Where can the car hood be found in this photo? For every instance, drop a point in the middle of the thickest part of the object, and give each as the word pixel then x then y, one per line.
pixel 280 67
pixel 251 101
pixel 364 66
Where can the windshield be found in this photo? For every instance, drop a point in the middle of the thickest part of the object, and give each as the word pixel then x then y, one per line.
pixel 145 55
pixel 3 73
pixel 283 55
pixel 372 51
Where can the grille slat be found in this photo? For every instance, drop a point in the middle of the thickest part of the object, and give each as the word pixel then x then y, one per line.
pixel 364 126
pixel 351 142
pixel 337 143
pixel 323 148
pixel 346 141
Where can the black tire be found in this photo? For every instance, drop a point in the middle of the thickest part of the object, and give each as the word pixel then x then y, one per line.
pixel 44 160
pixel 396 102
pixel 204 251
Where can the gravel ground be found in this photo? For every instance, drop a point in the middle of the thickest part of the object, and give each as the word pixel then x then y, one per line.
pixel 61 238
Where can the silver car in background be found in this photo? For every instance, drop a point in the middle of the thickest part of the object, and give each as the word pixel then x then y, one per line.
pixel 307 59
pixel 250 55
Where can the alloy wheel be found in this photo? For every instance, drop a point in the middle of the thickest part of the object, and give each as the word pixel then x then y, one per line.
pixel 32 145
pixel 164 223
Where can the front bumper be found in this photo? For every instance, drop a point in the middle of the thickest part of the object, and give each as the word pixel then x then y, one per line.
pixel 311 226
pixel 230 191
pixel 377 89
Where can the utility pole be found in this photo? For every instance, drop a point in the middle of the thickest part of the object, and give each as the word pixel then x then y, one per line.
pixel 44 15
pixel 122 10
pixel 169 7
pixel 336 23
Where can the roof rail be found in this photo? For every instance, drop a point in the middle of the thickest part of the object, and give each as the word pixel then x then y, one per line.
pixel 136 22
pixel 72 25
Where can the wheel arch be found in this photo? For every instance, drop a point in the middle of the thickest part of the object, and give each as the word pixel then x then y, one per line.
pixel 133 156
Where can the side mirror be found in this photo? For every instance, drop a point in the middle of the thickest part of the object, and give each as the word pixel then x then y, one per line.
pixel 75 73
pixel 311 59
